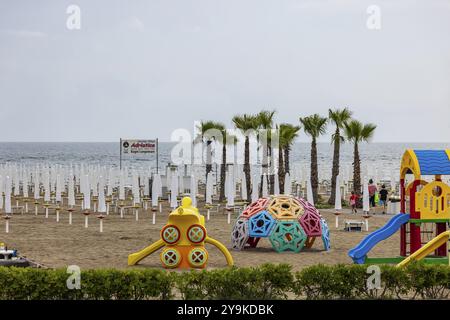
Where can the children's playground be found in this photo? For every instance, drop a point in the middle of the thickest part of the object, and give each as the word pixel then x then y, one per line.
pixel 278 229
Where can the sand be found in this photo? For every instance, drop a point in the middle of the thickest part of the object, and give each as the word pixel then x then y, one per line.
pixel 58 244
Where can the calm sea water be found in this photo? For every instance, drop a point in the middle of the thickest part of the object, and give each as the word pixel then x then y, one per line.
pixel 381 156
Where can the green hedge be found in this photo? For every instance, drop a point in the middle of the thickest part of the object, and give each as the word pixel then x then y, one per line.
pixel 264 282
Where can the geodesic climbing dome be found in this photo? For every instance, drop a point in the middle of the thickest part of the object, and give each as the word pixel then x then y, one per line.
pixel 290 224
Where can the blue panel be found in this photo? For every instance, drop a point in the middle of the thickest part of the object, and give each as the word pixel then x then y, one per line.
pixel 433 162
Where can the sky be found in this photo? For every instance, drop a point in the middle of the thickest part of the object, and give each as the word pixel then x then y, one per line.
pixel 143 68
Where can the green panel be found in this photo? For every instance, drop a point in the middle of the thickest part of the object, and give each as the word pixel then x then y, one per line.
pixel 419 221
pixel 396 260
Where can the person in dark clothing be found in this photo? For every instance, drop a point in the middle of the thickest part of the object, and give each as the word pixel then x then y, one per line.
pixel 383 197
pixel 372 191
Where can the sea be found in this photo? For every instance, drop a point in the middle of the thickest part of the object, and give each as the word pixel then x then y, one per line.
pixel 377 158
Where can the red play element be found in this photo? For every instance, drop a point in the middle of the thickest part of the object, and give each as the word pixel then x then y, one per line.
pixel 255 207
pixel 252 242
pixel 310 222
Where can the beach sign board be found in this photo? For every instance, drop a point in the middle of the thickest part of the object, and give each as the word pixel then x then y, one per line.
pixel 138 146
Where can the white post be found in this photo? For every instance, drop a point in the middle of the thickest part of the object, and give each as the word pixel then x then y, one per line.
pixel 7 226
pixel 367 224
pixel 137 215
pixel 107 209
pixel 337 222
pixel 154 217
pixel 70 217
pixel 57 215
pixel 35 210
pixel 101 225
pixel 207 215
pixel 86 221
pixel 46 212
pixel 121 213
pixel 26 207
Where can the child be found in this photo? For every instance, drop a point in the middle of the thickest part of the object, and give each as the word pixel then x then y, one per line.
pixel 383 197
pixel 353 201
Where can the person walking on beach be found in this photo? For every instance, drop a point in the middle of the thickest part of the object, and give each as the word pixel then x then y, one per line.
pixel 383 197
pixel 353 202
pixel 372 191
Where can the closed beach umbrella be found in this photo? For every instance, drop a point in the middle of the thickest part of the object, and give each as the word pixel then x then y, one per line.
pixel 276 184
pixel 366 202
pixel 1 192
pixel 174 191
pixel 71 191
pixel 309 193
pixel 255 188
pixel 136 191
pixel 193 190
pixel 36 184
pixel 47 187
pixel 243 188
pixel 58 188
pixel 8 186
pixel 209 188
pixel 265 190
pixel 101 196
pixel 231 189
pixel 287 184
pixel 122 186
pixel 156 189
pixel 86 194
pixel 25 184
pixel 338 196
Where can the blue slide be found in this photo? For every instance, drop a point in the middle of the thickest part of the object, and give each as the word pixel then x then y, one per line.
pixel 359 253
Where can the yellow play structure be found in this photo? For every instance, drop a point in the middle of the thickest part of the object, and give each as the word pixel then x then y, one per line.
pixel 183 238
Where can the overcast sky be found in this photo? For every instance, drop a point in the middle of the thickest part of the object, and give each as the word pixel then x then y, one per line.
pixel 139 69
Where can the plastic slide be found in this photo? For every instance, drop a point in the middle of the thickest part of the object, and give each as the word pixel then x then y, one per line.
pixel 426 249
pixel 134 258
pixel 359 253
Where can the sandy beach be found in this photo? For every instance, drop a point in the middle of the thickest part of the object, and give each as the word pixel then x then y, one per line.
pixel 58 244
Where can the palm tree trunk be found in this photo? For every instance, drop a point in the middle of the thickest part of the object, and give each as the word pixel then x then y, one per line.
pixel 281 172
pixel 208 158
pixel 222 173
pixel 287 168
pixel 335 170
pixel 271 172
pixel 356 170
pixel 247 169
pixel 314 170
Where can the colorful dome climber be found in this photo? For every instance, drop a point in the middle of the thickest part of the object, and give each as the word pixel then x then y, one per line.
pixel 289 223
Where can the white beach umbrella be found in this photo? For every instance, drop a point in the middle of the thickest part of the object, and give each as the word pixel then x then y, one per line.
pixel 174 191
pixel 231 189
pixel 156 187
pixel 366 200
pixel 276 184
pixel 47 187
pixel 265 190
pixel 255 187
pixel 101 196
pixel 8 186
pixel 1 192
pixel 209 188
pixel 36 184
pixel 71 191
pixel 122 186
pixel 181 187
pixel 309 192
pixel 135 187
pixel 287 184
pixel 338 196
pixel 243 187
pixel 194 190
pixel 86 193
pixel 58 188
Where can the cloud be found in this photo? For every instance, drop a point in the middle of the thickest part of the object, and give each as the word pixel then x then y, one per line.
pixel 24 33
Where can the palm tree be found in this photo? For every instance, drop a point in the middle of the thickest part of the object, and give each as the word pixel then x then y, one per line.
pixel 264 121
pixel 339 117
pixel 357 133
pixel 314 126
pixel 208 131
pixel 227 139
pixel 245 123
pixel 287 135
